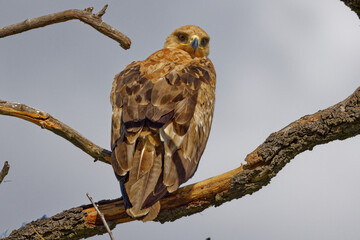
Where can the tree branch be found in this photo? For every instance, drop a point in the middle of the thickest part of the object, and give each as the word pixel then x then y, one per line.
pixel 86 16
pixel 45 120
pixel 338 122
pixel 354 5
pixel 4 171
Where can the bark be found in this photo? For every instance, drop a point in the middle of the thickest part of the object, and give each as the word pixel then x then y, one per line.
pixel 338 122
pixel 86 16
pixel 4 171
pixel 354 5
pixel 68 224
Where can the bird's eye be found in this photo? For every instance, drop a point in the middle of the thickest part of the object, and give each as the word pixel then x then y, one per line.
pixel 204 42
pixel 182 37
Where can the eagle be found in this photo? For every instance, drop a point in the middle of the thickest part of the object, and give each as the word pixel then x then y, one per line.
pixel 162 110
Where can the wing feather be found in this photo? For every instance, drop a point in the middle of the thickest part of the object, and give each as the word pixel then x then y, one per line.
pixel 161 122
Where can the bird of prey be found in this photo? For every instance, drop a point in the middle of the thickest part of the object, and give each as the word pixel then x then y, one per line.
pixel 162 113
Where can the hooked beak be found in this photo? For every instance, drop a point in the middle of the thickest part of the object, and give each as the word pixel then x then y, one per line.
pixel 195 43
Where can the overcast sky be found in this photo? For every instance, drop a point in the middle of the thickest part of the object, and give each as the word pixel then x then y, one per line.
pixel 276 61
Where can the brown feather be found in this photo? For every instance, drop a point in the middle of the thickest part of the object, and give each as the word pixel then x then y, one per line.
pixel 153 212
pixel 141 184
pixel 162 114
pixel 123 154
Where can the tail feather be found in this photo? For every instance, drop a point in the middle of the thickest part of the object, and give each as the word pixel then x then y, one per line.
pixel 127 203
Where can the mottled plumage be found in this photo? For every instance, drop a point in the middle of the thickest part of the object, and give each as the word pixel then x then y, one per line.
pixel 162 114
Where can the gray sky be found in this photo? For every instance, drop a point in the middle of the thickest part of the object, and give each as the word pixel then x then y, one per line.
pixel 276 61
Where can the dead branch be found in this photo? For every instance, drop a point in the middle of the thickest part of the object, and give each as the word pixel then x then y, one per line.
pixel 4 171
pixel 354 5
pixel 338 122
pixel 45 120
pixel 86 16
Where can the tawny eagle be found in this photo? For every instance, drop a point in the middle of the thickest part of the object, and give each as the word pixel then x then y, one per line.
pixel 162 113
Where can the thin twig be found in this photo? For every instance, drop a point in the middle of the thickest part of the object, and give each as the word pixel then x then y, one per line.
pixel 102 11
pixel 36 232
pixel 101 216
pixel 86 16
pixel 4 171
pixel 45 120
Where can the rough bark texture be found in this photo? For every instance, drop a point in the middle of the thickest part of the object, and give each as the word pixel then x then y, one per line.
pixel 45 120
pixel 65 225
pixel 86 16
pixel 354 5
pixel 338 122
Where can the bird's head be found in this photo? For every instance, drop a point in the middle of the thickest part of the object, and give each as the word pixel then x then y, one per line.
pixel 191 39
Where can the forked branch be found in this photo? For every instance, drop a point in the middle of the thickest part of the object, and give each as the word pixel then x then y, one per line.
pixel 86 16
pixel 338 122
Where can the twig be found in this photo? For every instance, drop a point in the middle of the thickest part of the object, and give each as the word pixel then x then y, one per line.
pixel 45 120
pixel 36 232
pixel 86 16
pixel 101 216
pixel 102 11
pixel 4 171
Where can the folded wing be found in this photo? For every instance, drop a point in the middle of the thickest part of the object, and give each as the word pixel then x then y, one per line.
pixel 162 113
